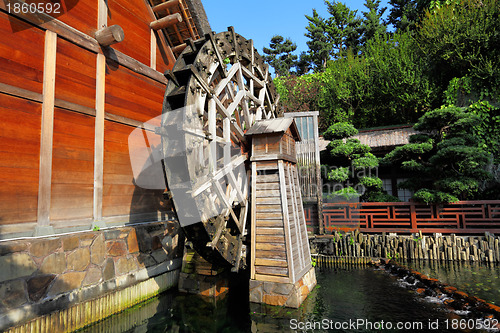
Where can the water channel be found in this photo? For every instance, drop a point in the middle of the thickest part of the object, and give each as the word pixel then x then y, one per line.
pixel 346 300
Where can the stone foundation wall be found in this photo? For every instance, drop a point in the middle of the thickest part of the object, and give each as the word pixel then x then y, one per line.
pixel 283 294
pixel 45 275
pixel 483 248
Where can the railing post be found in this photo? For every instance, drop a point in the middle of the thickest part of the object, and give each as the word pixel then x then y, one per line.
pixel 413 217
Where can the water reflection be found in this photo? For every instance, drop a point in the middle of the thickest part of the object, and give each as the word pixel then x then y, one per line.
pixel 343 296
pixel 479 279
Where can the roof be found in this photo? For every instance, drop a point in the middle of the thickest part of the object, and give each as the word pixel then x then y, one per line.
pixel 274 125
pixel 380 138
pixel 383 138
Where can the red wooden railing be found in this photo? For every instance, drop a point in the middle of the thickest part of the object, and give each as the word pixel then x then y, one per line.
pixel 409 217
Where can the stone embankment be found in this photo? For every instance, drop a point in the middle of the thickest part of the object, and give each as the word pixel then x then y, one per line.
pixel 449 296
pixel 65 282
pixel 481 248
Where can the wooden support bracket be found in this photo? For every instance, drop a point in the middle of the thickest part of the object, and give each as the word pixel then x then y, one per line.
pixel 110 35
pixel 165 5
pixel 166 21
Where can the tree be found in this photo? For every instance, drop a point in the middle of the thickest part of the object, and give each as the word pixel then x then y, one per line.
pixel 405 15
pixel 354 171
pixel 319 43
pixel 372 25
pixel 461 41
pixel 279 55
pixel 343 27
pixel 445 161
pixel 332 37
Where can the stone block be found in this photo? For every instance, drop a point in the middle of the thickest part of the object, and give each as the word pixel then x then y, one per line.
pixel 112 234
pixel 132 243
pixel 54 263
pixel 125 265
pixel 116 248
pixel 145 260
pixel 94 276
pixel 108 270
pixel 293 300
pixel 87 239
pixel 70 243
pixel 160 255
pixel 13 246
pixel 16 265
pixel 43 247
pixel 66 282
pixel 79 259
pixel 274 300
pixel 143 239
pixel 283 288
pixel 38 285
pixel 256 294
pixel 268 287
pixel 98 250
pixel 13 294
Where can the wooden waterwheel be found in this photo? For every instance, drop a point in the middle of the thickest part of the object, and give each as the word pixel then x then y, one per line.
pixel 219 87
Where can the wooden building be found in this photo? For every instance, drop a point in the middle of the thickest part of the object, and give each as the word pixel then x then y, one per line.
pixel 280 254
pixel 68 104
pixel 76 231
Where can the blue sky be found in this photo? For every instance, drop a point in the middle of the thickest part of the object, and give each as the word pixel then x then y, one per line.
pixel 260 19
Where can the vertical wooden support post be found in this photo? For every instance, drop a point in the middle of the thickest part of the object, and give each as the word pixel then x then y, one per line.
pixel 153 50
pixel 99 138
pixel 413 217
pixel 102 14
pixel 286 221
pixel 99 121
pixel 319 191
pixel 253 220
pixel 47 131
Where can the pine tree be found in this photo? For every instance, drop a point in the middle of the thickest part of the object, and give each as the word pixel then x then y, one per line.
pixel 319 44
pixel 280 56
pixel 372 24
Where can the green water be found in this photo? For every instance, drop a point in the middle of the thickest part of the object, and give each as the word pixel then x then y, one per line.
pixel 366 297
pixel 478 279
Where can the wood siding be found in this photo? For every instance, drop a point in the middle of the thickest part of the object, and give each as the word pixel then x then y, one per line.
pixel 72 166
pixel 19 161
pixel 129 93
pixel 21 54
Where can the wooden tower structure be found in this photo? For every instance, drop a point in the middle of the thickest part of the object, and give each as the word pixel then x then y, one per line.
pixel 280 254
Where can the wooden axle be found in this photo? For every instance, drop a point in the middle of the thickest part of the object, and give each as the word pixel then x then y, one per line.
pixel 166 21
pixel 179 48
pixel 165 5
pixel 110 35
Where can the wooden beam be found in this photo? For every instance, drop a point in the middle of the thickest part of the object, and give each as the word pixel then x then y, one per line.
pixel 165 50
pixel 133 65
pixel 152 49
pixel 110 35
pixel 47 129
pixel 286 222
pixel 165 5
pixel 253 221
pixel 179 48
pixel 102 14
pixel 99 137
pixel 47 22
pixel 166 21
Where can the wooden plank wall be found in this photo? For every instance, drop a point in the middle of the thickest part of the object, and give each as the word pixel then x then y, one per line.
pixel 83 188
pixel 271 261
